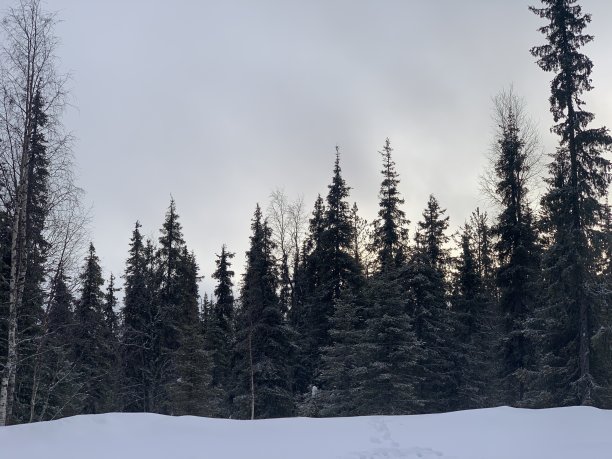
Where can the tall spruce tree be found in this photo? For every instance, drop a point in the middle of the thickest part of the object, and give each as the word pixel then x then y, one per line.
pixel 263 339
pixel 111 338
pixel 342 271
pixel 169 254
pixel 171 314
pixel 184 365
pixel 219 330
pixel 339 271
pixel 93 354
pixel 425 284
pixel 518 254
pixel 602 339
pixel 390 237
pixel 305 316
pixel 155 366
pixel 329 269
pixel 137 314
pixel 30 318
pixel 389 348
pixel 579 179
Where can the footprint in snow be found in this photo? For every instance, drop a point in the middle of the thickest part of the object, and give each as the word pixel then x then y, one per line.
pixel 395 453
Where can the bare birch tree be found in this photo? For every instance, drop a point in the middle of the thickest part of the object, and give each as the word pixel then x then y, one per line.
pixel 67 236
pixel 27 70
pixel 508 106
pixel 287 221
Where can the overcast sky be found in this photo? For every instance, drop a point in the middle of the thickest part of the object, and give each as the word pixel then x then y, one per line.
pixel 218 103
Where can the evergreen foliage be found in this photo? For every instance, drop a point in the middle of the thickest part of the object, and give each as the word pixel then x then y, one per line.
pixel 93 353
pixel 383 339
pixel 330 269
pixel 30 320
pixel 431 235
pixel 392 350
pixel 518 252
pixel 263 339
pixel 59 379
pixel 424 281
pixel 219 330
pixel 572 208
pixel 390 236
pixel 306 316
pixel 138 315
pixel 190 390
pixel 477 319
pixel 351 320
pixel 343 361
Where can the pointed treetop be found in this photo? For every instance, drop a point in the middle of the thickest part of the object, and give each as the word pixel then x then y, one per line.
pixel 431 236
pixel 391 227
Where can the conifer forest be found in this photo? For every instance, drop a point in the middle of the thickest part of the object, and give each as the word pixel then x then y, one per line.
pixel 326 314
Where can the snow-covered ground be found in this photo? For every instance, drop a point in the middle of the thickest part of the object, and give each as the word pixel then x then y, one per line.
pixel 497 433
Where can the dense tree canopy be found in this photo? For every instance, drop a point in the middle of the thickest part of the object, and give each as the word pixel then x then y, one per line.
pixel 332 315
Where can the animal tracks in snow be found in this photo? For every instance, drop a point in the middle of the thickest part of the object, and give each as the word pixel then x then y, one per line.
pixel 388 448
pixel 395 453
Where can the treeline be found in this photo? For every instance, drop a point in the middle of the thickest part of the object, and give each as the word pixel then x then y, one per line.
pixel 333 316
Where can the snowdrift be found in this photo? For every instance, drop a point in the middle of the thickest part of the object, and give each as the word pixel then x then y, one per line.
pixel 496 433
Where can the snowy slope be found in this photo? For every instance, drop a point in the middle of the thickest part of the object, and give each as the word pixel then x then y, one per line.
pixel 498 433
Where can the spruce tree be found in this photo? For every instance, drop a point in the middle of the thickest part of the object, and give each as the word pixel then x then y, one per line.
pixel 579 179
pixel 111 342
pixel 483 244
pixel 169 253
pixel 305 316
pixel 137 314
pixel 184 365
pixel 60 384
pixel 425 284
pixel 263 339
pixel 476 318
pixel 431 235
pixel 93 356
pixel 110 306
pixel 338 270
pixel 602 339
pixel 30 316
pixel 154 364
pixel 391 349
pixel 55 384
pixel 190 391
pixel 219 330
pixel 360 245
pixel 145 365
pixel 168 297
pixel 343 363
pixel 518 256
pixel 342 271
pixel 390 237
pixel 387 344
